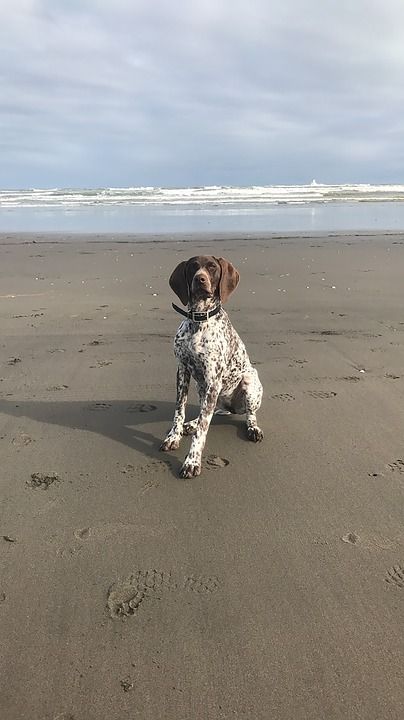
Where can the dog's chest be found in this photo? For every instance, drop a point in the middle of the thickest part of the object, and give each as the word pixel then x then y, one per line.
pixel 200 342
pixel 210 349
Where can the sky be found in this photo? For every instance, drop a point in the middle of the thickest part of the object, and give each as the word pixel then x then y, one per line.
pixel 116 93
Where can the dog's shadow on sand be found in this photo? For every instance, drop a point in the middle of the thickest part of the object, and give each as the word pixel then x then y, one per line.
pixel 122 421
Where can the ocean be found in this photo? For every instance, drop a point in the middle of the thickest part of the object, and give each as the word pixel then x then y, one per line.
pixel 273 208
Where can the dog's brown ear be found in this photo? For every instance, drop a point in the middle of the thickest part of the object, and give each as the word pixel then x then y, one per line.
pixel 178 282
pixel 229 278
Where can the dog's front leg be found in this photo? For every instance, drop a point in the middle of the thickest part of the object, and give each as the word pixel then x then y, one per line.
pixel 173 438
pixel 192 463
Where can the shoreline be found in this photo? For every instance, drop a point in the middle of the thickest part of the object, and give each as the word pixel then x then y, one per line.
pixel 64 237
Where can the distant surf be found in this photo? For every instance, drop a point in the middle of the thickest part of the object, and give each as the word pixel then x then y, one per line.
pixel 314 207
pixel 208 195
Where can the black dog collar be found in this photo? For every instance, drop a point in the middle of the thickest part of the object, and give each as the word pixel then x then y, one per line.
pixel 198 316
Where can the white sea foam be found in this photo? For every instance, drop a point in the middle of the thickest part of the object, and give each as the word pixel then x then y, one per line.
pixel 201 196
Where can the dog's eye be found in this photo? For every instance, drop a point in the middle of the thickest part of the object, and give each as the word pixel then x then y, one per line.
pixel 211 266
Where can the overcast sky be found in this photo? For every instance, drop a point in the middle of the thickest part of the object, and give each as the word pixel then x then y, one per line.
pixel 200 92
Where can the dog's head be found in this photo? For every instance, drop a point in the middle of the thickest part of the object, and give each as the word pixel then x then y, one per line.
pixel 202 277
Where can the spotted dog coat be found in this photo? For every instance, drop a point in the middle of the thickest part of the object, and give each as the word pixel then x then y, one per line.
pixel 209 349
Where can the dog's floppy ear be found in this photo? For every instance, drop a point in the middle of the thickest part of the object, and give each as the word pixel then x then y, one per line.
pixel 229 278
pixel 178 282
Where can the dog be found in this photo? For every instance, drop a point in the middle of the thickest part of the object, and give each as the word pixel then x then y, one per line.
pixel 209 349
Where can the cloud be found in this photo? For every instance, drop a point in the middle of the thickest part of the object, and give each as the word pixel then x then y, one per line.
pixel 222 91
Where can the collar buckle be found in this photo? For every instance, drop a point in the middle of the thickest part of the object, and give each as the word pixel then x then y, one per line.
pixel 199 316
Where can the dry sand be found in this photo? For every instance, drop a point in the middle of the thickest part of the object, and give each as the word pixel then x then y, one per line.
pixel 270 588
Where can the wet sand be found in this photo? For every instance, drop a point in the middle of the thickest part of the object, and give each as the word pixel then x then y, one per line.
pixel 268 587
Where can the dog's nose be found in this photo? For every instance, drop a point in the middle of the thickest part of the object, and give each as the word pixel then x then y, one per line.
pixel 201 279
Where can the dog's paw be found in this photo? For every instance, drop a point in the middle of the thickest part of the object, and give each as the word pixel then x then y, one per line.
pixel 255 434
pixel 170 443
pixel 190 427
pixel 190 469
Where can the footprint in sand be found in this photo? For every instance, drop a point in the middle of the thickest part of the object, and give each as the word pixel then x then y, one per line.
pixel 396 466
pixel 42 480
pixel 351 538
pixel 21 440
pixel 149 485
pixel 395 576
pixel 214 461
pixel 100 406
pixel 152 466
pixel 127 684
pixel 381 542
pixel 82 533
pixel 370 542
pixel 321 394
pixel 284 397
pixel 126 596
pixel 129 468
pixel 141 407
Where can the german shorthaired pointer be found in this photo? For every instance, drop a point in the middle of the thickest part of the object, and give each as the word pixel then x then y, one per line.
pixel 208 348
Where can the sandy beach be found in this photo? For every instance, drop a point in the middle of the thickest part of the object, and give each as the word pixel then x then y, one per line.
pixel 270 587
